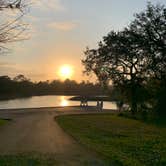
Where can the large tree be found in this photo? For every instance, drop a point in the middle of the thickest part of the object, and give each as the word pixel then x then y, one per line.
pixel 149 27
pixel 132 56
pixel 118 58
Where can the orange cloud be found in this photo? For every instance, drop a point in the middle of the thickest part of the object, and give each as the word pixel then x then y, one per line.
pixel 63 26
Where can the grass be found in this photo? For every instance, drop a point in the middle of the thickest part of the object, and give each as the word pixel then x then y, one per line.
pixel 3 121
pixel 27 160
pixel 119 141
pixel 45 160
pixel 149 118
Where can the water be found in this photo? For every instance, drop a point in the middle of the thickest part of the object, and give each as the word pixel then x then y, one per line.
pixel 47 101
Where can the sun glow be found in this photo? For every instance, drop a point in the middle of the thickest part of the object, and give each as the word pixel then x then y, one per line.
pixel 64 101
pixel 65 72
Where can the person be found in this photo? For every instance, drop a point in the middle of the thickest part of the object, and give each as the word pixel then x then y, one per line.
pixel 98 104
pixel 81 103
pixel 101 105
pixel 84 102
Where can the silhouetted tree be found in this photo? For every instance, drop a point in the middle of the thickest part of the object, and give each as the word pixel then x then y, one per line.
pixel 94 63
pixel 20 78
pixel 11 4
pixel 149 28
pixel 119 59
pixel 21 86
pixel 132 56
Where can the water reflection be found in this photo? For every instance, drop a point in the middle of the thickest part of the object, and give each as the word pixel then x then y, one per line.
pixel 47 101
pixel 64 102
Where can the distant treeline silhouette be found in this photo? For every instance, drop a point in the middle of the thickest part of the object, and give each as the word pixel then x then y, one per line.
pixel 20 86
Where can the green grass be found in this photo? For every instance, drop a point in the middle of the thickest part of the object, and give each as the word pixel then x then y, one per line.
pixel 3 121
pixel 45 160
pixel 27 160
pixel 118 141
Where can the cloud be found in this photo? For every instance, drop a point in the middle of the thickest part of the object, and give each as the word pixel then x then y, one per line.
pixel 50 4
pixel 63 26
pixel 6 64
pixel 8 68
pixel 13 69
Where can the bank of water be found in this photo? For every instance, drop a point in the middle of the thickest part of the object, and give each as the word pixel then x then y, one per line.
pixel 47 101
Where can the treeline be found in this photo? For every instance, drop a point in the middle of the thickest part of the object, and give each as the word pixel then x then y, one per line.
pixel 20 86
pixel 134 59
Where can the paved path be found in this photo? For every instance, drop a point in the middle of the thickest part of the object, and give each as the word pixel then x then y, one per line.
pixel 36 131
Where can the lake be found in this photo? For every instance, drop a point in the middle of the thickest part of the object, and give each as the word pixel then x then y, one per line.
pixel 47 101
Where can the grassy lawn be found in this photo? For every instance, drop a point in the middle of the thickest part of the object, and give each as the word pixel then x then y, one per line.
pixel 2 122
pixel 119 141
pixel 27 160
pixel 45 160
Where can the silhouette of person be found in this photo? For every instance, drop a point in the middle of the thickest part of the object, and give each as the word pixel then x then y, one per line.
pixel 101 105
pixel 98 104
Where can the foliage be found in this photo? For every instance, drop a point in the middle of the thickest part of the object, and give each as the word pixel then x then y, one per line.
pixel 161 98
pixel 149 28
pixel 131 58
pixel 11 4
pixel 119 141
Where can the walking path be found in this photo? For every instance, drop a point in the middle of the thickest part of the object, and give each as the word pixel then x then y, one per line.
pixel 36 131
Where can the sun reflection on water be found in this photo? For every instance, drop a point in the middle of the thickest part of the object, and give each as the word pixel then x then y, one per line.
pixel 64 102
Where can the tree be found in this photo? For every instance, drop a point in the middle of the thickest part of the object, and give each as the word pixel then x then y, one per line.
pixel 149 27
pixel 94 63
pixel 20 78
pixel 118 58
pixel 132 56
pixel 13 4
pixel 11 31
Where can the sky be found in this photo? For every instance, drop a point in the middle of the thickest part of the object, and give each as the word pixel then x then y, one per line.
pixel 59 32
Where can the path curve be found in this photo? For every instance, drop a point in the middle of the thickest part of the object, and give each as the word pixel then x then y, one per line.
pixel 36 131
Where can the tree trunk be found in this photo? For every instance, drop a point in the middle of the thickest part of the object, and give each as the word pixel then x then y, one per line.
pixel 133 107
pixel 133 100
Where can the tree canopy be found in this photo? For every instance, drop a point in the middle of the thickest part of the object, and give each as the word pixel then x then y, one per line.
pixel 131 58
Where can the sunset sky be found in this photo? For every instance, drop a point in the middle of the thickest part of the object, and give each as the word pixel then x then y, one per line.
pixel 59 32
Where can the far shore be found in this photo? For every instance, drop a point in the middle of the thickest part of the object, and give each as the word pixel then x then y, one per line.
pixel 12 97
pixel 93 98
pixel 75 97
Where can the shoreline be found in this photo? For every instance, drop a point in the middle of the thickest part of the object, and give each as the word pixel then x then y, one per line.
pixel 93 98
pixel 61 109
pixel 12 97
pixel 73 97
pixel 6 98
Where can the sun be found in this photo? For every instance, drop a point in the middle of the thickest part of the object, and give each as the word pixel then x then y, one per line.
pixel 65 71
